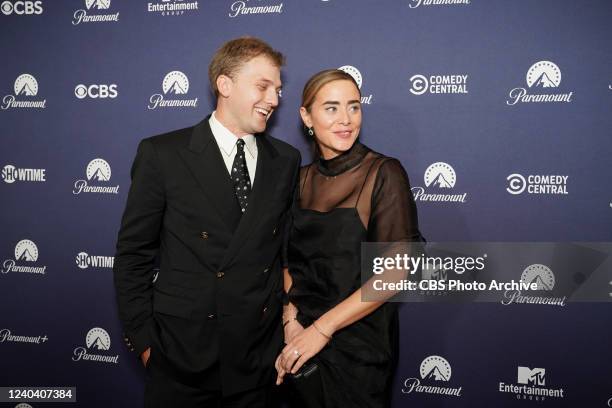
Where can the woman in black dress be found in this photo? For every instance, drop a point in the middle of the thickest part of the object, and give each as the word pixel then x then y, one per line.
pixel 349 195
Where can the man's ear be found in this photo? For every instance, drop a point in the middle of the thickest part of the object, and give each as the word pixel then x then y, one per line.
pixel 224 85
pixel 305 117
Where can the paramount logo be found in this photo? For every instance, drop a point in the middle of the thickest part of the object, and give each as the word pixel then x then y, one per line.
pixel 26 252
pixel 81 16
pixel 542 77
pixel 241 8
pixel 98 171
pixel 417 3
pixel 7 336
pixel 174 85
pixel 435 371
pixel 439 177
pixel 25 88
pixel 543 276
pixel 97 341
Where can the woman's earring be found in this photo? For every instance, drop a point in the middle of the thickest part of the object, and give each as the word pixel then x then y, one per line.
pixel 310 131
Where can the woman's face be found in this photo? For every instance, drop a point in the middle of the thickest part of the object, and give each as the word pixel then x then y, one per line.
pixel 335 116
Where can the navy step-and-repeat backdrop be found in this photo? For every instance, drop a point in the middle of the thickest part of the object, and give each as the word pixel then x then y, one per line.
pixel 500 111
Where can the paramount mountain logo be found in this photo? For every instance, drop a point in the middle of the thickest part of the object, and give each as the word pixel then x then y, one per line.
pixel 94 16
pixel 532 385
pixel 543 276
pixel 98 172
pixel 433 370
pixel 84 261
pixel 25 88
pixel 246 7
pixel 97 341
pixel 542 77
pixel 439 177
pixel 26 253
pixel 174 85
pixel 354 72
pixel 11 174
pixel 172 7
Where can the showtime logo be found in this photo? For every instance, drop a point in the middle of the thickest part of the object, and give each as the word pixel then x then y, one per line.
pixel 21 7
pixel 95 16
pixel 11 174
pixel 174 84
pixel 84 261
pixel 25 88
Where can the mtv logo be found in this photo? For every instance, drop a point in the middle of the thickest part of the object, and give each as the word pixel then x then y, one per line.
pixel 432 273
pixel 533 376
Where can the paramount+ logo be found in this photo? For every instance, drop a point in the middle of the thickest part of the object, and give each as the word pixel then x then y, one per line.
pixel 21 8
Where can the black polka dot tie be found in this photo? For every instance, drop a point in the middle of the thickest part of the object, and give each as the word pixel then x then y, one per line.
pixel 240 177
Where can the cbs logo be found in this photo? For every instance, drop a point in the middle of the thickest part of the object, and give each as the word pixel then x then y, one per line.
pixel 95 91
pixel 21 7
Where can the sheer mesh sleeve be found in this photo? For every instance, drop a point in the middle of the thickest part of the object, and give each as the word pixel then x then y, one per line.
pixel 393 215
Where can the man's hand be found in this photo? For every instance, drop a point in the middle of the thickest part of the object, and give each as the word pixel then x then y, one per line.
pixel 145 356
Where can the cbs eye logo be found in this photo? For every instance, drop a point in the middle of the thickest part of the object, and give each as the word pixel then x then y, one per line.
pixel 96 91
pixel 21 7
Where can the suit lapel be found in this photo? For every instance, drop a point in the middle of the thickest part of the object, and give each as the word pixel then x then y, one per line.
pixel 203 158
pixel 263 188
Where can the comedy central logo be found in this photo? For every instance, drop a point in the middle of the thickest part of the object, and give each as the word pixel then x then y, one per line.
pixel 537 184
pixel 434 372
pixel 541 78
pixel 174 85
pixel 25 88
pixel 439 84
pixel 354 72
pixel 98 174
pixel 439 178
pixel 544 277
pixel 26 254
pixel 97 342
pixel 84 260
pixel 11 174
pixel 94 13
pixel 531 385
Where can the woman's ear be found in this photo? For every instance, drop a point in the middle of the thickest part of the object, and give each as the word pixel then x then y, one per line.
pixel 305 117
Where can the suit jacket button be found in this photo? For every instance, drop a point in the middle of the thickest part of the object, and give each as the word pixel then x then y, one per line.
pixel 274 231
pixel 204 235
pixel 220 274
pixel 211 316
pixel 265 309
pixel 266 270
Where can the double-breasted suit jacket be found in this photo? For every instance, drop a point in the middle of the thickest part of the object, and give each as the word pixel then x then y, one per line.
pixel 212 314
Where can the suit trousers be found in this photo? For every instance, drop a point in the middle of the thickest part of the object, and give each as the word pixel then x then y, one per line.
pixel 163 391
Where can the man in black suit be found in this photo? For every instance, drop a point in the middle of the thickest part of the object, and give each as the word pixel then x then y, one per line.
pixel 211 201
